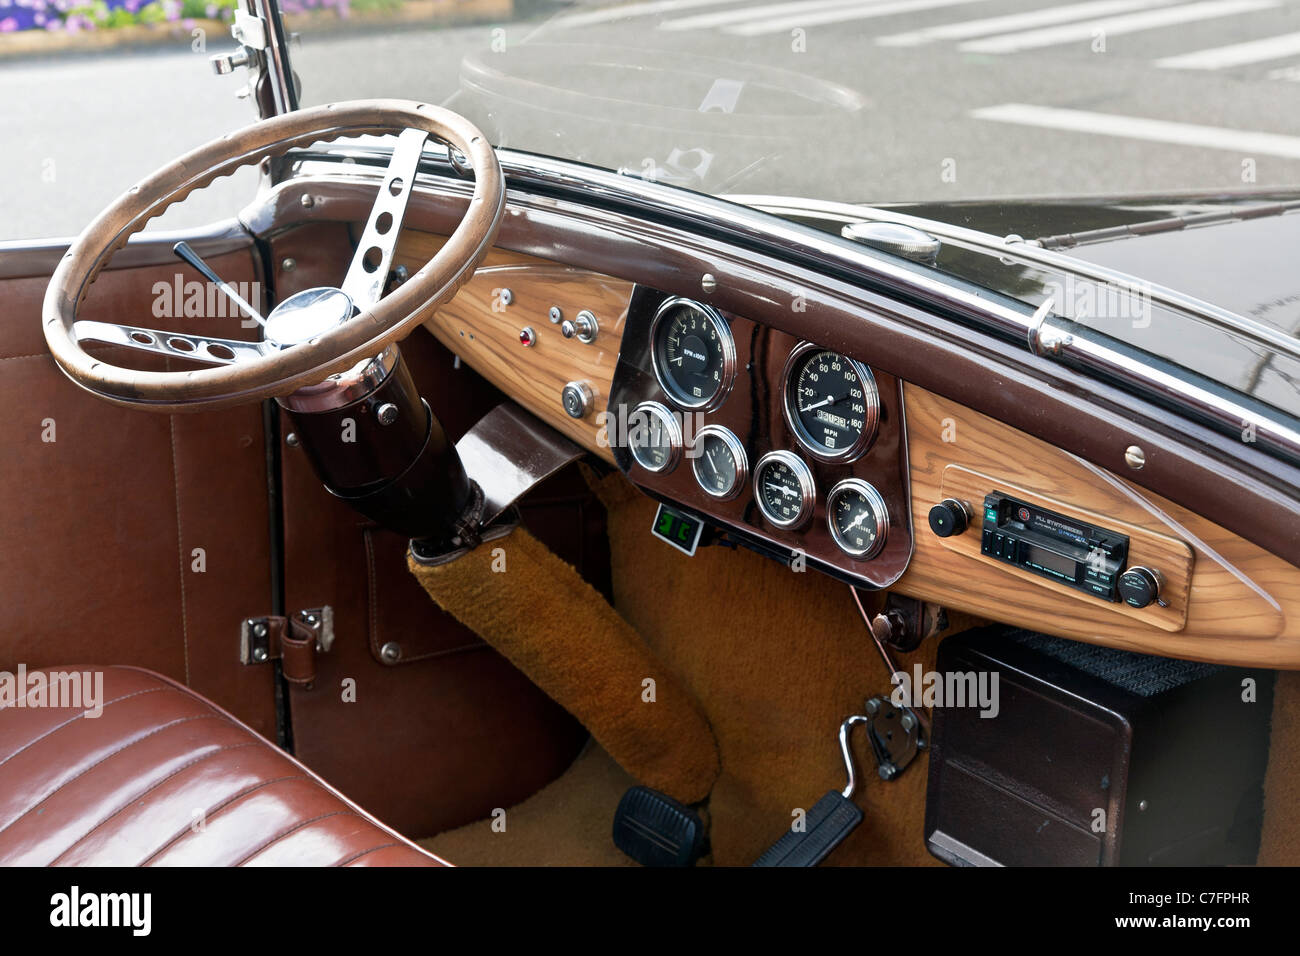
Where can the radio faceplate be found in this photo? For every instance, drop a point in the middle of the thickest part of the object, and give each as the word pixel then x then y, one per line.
pixel 1066 550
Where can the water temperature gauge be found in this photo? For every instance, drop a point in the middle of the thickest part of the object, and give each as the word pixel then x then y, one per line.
pixel 784 489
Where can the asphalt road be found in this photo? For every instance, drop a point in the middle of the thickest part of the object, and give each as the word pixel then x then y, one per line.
pixel 874 101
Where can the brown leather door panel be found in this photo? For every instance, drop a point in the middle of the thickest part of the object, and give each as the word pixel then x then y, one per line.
pixel 130 537
pixel 450 729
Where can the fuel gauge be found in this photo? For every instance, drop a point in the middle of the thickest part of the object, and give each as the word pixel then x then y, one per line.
pixel 719 462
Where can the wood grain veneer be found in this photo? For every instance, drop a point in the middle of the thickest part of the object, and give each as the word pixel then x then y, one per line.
pixel 484 332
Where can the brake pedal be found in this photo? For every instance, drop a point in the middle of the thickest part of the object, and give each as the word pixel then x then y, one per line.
pixel 655 830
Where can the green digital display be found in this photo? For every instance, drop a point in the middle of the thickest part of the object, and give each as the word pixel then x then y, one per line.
pixel 677 529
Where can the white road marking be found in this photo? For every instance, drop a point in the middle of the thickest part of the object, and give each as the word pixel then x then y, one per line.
pixel 1243 141
pixel 1018 21
pixel 627 10
pixel 706 21
pixel 1112 26
pixel 860 11
pixel 1238 54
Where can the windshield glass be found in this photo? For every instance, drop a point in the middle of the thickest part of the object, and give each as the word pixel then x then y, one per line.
pixel 849 100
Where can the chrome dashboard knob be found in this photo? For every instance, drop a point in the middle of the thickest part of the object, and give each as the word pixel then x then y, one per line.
pixel 583 327
pixel 576 399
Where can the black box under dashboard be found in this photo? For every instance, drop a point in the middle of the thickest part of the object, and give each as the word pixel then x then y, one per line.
pixel 1090 756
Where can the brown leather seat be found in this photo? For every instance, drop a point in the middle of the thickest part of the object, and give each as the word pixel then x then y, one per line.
pixel 164 777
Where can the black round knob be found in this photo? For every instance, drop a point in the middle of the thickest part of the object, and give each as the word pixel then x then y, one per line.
pixel 949 517
pixel 1139 587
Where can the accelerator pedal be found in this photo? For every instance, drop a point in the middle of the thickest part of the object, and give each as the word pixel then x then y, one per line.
pixel 824 827
pixel 655 830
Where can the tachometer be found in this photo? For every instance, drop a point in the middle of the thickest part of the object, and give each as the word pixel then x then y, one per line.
pixel 693 352
pixel 784 489
pixel 858 518
pixel 831 403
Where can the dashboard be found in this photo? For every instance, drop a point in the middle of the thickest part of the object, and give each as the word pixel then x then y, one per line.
pixel 801 445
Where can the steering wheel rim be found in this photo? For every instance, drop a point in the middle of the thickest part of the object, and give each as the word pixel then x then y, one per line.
pixel 366 335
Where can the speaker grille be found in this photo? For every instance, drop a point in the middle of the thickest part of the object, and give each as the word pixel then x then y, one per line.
pixel 1142 674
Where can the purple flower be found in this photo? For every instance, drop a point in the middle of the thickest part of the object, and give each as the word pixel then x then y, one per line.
pixel 8 25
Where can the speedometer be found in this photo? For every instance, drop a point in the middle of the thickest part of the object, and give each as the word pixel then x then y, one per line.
pixel 694 354
pixel 831 403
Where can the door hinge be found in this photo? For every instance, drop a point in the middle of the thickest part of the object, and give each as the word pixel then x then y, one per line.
pixel 293 641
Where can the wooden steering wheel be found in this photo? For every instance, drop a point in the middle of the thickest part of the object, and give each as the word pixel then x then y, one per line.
pixel 309 336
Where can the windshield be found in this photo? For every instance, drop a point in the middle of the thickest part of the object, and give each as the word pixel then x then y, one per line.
pixel 849 100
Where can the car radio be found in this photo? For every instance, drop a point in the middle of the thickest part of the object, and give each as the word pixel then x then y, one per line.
pixel 1063 549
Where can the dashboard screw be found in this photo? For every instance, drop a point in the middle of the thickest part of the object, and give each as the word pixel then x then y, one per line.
pixel 289 264
pixel 391 652
pixel 1135 457
pixel 291 439
pixel 555 315
pixel 307 201
pixel 708 282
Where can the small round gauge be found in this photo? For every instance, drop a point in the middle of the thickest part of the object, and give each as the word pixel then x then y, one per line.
pixel 831 403
pixel 858 518
pixel 784 489
pixel 654 437
pixel 693 352
pixel 719 462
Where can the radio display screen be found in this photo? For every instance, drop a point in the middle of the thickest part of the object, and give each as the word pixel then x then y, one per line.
pixel 1051 560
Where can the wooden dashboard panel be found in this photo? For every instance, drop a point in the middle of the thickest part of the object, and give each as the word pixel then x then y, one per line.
pixel 1230 601
pixel 1242 603
pixel 483 330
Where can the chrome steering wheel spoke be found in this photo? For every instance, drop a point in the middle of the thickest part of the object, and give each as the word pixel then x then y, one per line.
pixel 368 273
pixel 197 348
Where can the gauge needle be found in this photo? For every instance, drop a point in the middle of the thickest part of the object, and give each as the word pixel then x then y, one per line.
pixel 788 492
pixel 862 516
pixel 828 400
pixel 709 455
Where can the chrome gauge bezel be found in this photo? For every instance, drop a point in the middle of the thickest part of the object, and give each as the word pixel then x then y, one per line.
pixel 789 406
pixel 877 501
pixel 666 417
pixel 737 452
pixel 726 340
pixel 807 487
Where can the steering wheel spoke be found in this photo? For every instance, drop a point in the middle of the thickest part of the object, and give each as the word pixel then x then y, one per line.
pixel 368 273
pixel 197 348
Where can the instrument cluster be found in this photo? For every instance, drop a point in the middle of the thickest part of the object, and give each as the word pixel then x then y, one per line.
pixel 788 444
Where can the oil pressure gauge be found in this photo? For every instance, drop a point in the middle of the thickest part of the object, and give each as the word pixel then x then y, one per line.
pixel 858 518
